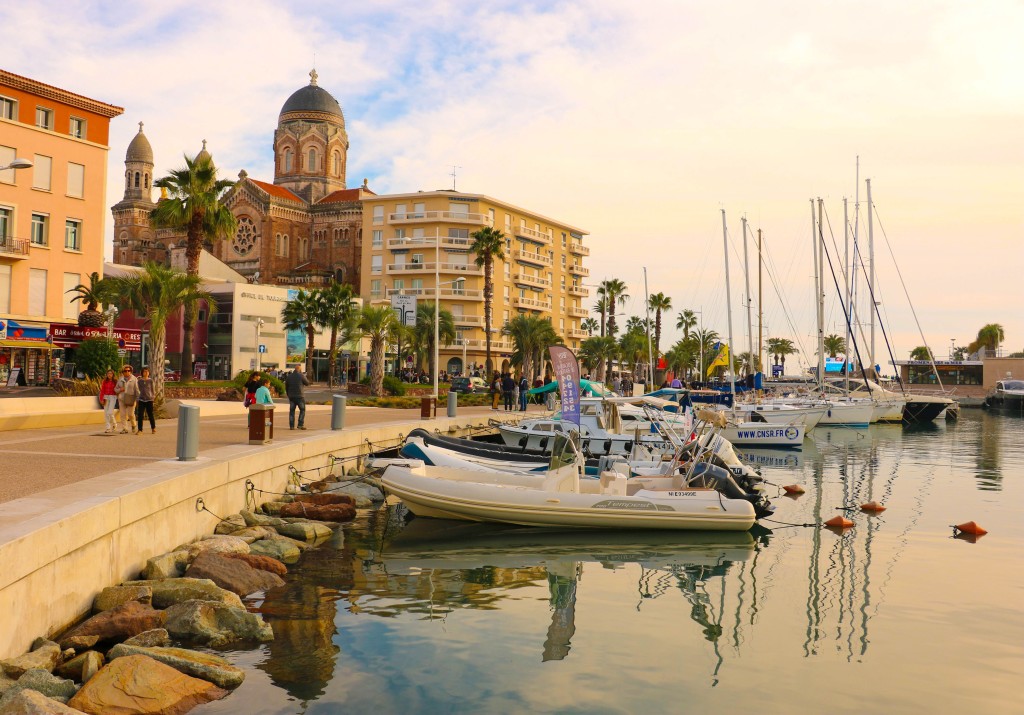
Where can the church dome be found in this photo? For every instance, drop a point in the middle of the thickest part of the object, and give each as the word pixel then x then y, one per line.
pixel 140 149
pixel 203 153
pixel 312 98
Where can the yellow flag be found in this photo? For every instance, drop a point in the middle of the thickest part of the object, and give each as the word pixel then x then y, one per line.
pixel 721 360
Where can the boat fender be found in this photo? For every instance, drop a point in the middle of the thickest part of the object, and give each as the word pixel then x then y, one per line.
pixel 628 447
pixel 872 506
pixel 969 527
pixel 839 522
pixel 793 489
pixel 544 443
pixel 522 442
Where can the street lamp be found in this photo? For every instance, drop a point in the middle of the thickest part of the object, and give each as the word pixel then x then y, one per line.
pixel 17 164
pixel 259 325
pixel 952 347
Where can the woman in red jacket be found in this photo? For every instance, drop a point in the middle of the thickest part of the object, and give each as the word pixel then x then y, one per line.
pixel 108 399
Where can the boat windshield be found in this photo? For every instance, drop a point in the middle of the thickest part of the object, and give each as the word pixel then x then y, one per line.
pixel 1013 384
pixel 565 450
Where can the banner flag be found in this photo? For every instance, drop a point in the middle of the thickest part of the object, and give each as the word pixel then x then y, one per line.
pixel 567 373
pixel 721 361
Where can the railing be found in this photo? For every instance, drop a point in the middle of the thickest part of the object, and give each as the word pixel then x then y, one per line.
pixel 469 269
pixel 579 249
pixel 11 247
pixel 496 345
pixel 452 216
pixel 449 293
pixel 475 320
pixel 578 270
pixel 528 257
pixel 576 333
pixel 579 313
pixel 578 291
pixel 521 277
pixel 533 235
pixel 430 242
pixel 530 303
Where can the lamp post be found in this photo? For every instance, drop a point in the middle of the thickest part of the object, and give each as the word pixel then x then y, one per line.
pixel 952 347
pixel 259 325
pixel 17 164
pixel 437 320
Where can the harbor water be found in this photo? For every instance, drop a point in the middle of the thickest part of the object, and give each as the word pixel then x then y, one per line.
pixel 894 615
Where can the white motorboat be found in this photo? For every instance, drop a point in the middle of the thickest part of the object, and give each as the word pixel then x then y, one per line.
pixel 1007 396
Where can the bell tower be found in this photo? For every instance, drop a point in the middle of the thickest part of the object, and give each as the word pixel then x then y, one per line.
pixel 133 237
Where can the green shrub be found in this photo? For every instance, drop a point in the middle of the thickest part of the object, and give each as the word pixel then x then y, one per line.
pixel 392 385
pixel 97 355
pixel 242 377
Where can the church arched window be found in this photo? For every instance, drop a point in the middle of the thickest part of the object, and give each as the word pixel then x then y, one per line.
pixel 136 179
pixel 312 160
pixel 147 181
pixel 287 160
pixel 336 161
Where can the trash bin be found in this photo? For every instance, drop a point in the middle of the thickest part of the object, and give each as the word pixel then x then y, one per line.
pixel 428 408
pixel 261 424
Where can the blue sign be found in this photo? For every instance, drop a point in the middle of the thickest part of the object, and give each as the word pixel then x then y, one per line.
pixel 263 348
pixel 567 373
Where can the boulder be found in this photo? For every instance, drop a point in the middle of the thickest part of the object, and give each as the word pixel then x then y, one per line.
pixel 254 533
pixel 264 563
pixel 230 525
pixel 5 683
pixel 45 657
pixel 167 592
pixel 231 574
pixel 114 596
pixel 326 499
pixel 366 488
pixel 207 666
pixel 308 531
pixel 254 519
pixel 272 508
pixel 31 702
pixel 150 639
pixel 217 544
pixel 214 623
pixel 328 512
pixel 42 681
pixel 171 565
pixel 81 667
pixel 284 550
pixel 139 684
pixel 127 620
pixel 79 643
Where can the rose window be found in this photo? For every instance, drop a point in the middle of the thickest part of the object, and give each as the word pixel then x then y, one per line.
pixel 245 236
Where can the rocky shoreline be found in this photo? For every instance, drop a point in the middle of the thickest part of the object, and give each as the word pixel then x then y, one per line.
pixel 132 654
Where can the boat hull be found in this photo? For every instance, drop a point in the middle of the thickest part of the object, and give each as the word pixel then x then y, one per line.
pixel 762 434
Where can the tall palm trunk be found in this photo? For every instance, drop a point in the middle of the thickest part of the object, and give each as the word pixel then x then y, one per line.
pixel 602 323
pixel 310 337
pixel 657 332
pixel 193 249
pixel 611 316
pixel 332 357
pixel 377 366
pixel 488 293
pixel 157 350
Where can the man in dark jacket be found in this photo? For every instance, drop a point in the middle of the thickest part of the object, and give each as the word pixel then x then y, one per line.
pixel 294 384
pixel 508 388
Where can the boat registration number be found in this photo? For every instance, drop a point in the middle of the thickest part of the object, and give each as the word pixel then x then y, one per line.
pixel 682 494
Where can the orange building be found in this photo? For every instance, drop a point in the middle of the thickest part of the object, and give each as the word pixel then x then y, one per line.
pixel 51 216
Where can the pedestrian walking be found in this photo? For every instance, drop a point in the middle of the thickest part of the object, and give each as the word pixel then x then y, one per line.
pixel 108 400
pixel 295 383
pixel 251 385
pixel 147 393
pixel 263 392
pixel 524 389
pixel 495 391
pixel 508 386
pixel 127 391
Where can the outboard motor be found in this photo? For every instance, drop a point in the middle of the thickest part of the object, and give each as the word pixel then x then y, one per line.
pixel 710 476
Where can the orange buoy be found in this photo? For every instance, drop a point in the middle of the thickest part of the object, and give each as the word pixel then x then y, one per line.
pixel 793 489
pixel 839 522
pixel 970 528
pixel 872 506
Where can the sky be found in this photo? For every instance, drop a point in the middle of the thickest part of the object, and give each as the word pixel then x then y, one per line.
pixel 639 122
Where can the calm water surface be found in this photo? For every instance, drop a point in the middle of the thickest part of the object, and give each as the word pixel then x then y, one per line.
pixel 892 616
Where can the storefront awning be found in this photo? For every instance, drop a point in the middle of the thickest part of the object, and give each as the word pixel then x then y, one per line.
pixel 25 344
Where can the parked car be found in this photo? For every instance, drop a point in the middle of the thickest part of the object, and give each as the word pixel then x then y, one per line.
pixel 171 375
pixel 468 384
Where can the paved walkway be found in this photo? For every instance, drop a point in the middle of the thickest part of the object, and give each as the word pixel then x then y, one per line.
pixel 41 459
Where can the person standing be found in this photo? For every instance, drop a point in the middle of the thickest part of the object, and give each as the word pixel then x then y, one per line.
pixel 127 391
pixel 263 393
pixel 524 388
pixel 108 399
pixel 146 396
pixel 295 383
pixel 495 391
pixel 251 385
pixel 508 387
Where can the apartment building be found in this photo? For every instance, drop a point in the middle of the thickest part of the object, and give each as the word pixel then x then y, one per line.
pixel 419 244
pixel 51 216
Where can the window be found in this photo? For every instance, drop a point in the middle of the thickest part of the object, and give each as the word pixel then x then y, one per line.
pixel 378 238
pixel 37 291
pixel 507 293
pixel 70 308
pixel 419 210
pixel 399 285
pixel 77 128
pixel 490 216
pixel 459 286
pixel 417 234
pixel 5 289
pixel 76 180
pixel 561 324
pixel 417 284
pixel 378 214
pixel 376 264
pixel 417 259
pixel 459 209
pixel 41 172
pixel 136 179
pixel 6 222
pixel 284 244
pixel 336 161
pixel 564 240
pixel 312 160
pixel 73 235
pixel 7 155
pixel 44 118
pixel 40 229
pixel 458 233
pixel 287 161
pixel 375 288
pixel 400 210
pixel 399 233
pixel 8 108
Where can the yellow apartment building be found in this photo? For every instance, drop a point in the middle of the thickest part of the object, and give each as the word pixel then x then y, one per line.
pixel 51 217
pixel 412 240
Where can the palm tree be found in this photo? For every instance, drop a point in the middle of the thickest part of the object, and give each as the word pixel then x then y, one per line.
pixel 300 313
pixel 636 324
pixel 658 302
pixel 597 352
pixel 423 331
pixel 921 353
pixel 685 320
pixel 834 344
pixel 780 348
pixel 531 336
pixel 682 356
pixel 91 296
pixel 488 245
pixel 376 324
pixel 601 306
pixel 614 291
pixel 335 308
pixel 989 337
pixel 590 325
pixel 749 363
pixel 156 293
pixel 633 349
pixel 705 344
pixel 194 206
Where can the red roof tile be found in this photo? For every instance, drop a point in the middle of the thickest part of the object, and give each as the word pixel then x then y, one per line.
pixel 278 191
pixel 345 195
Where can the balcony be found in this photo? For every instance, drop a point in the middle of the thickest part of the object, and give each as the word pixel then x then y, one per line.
pixel 497 346
pixel 578 270
pixel 579 291
pixel 13 248
pixel 578 312
pixel 439 216
pixel 526 278
pixel 531 303
pixel 476 321
pixel 578 249
pixel 429 242
pixel 533 235
pixel 577 333
pixel 466 269
pixel 532 258
pixel 448 293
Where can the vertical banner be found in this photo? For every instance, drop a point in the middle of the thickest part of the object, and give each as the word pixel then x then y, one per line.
pixel 295 340
pixel 567 373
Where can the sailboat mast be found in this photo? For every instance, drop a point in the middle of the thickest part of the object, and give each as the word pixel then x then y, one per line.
pixel 760 302
pixel 846 292
pixel 728 308
pixel 871 278
pixel 820 243
pixel 650 350
pixel 746 278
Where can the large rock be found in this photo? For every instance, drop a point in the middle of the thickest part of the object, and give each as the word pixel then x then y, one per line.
pixel 170 565
pixel 42 681
pixel 218 545
pixel 231 574
pixel 325 499
pixel 308 531
pixel 151 639
pixel 114 596
pixel 254 519
pixel 328 512
pixel 31 702
pixel 207 666
pixel 137 684
pixel 230 525
pixel 81 667
pixel 215 624
pixel 127 620
pixel 284 550
pixel 264 563
pixel 78 643
pixel 365 488
pixel 167 592
pixel 5 683
pixel 272 508
pixel 46 657
pixel 254 533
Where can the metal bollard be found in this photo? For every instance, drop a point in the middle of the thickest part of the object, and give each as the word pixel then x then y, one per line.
pixel 338 412
pixel 188 433
pixel 453 403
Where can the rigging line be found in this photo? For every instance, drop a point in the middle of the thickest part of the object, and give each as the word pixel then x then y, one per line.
pixel 848 310
pixel 881 324
pixel 785 310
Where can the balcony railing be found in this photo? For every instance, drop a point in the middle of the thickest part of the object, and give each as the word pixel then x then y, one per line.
pixel 446 216
pixel 579 249
pixel 474 320
pixel 577 333
pixel 430 242
pixel 496 345
pixel 469 269
pixel 446 293
pixel 528 257
pixel 530 303
pixel 579 313
pixel 577 270
pixel 16 248
pixel 522 277
pixel 579 291
pixel 533 235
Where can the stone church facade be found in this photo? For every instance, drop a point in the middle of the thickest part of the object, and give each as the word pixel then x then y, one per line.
pixel 304 229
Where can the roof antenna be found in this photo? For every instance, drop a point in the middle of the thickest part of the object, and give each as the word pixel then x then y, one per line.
pixel 454 172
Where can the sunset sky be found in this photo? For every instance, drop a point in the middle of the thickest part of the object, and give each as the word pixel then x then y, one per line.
pixel 637 121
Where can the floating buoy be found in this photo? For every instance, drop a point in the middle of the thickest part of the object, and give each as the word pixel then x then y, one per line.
pixel 793 489
pixel 872 506
pixel 969 528
pixel 839 522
